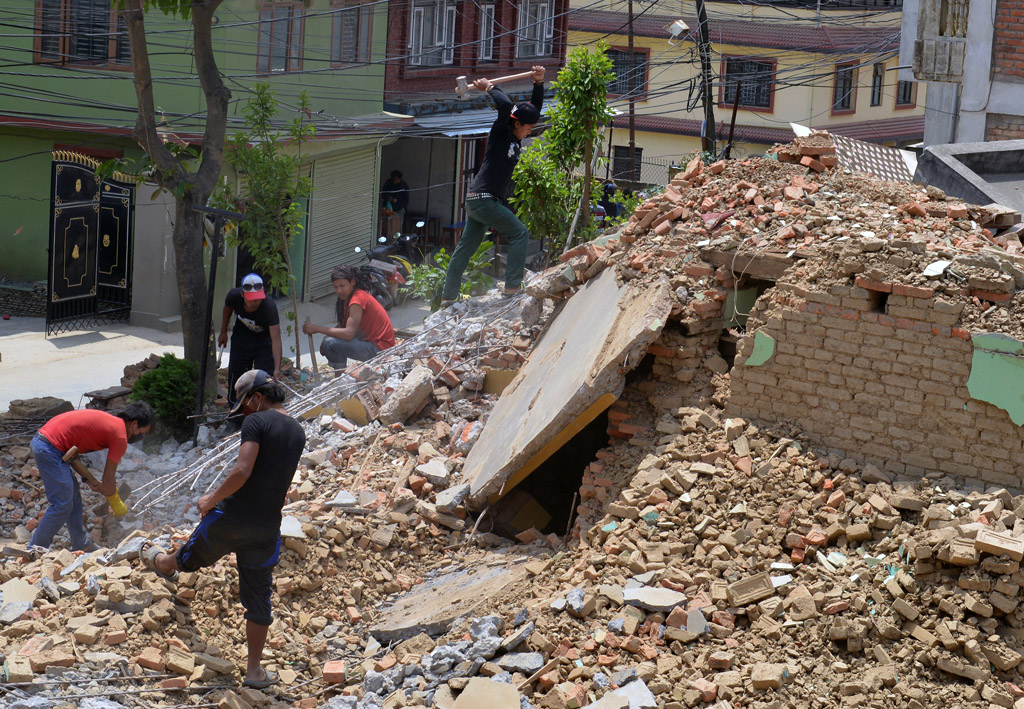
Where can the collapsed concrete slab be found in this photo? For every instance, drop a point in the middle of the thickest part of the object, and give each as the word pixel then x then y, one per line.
pixel 575 372
pixel 433 606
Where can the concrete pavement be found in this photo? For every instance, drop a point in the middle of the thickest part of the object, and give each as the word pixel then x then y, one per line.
pixel 70 364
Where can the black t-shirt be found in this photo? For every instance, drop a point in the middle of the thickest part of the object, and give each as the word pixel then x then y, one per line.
pixel 503 148
pixel 281 440
pixel 251 327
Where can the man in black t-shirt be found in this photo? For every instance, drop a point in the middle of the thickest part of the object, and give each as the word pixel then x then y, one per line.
pixel 243 515
pixel 256 336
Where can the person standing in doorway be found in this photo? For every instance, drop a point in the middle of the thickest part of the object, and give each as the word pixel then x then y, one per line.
pixel 256 336
pixel 485 199
pixel 395 192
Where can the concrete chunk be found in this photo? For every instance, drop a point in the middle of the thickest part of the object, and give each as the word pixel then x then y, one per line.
pixel 751 590
pixel 768 675
pixel 996 543
pixel 408 397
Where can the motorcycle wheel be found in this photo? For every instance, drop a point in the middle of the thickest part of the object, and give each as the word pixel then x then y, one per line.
pixel 382 295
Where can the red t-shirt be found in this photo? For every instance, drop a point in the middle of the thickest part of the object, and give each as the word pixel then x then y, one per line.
pixel 375 325
pixel 90 430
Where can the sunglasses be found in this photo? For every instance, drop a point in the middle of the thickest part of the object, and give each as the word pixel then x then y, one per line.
pixel 252 286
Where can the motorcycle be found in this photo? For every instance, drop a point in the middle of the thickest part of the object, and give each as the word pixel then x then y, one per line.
pixel 381 279
pixel 405 251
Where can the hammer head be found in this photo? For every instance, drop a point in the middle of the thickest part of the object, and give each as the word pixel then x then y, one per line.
pixel 71 453
pixel 461 87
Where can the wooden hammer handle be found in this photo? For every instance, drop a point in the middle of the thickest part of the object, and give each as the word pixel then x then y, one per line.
pixel 72 457
pixel 312 354
pixel 511 77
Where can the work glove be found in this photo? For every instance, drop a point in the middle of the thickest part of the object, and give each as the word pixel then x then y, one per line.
pixel 116 505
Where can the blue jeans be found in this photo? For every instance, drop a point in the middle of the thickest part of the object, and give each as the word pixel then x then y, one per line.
pixel 338 351
pixel 62 493
pixel 483 212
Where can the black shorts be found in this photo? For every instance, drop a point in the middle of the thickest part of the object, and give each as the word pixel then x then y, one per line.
pixel 257 550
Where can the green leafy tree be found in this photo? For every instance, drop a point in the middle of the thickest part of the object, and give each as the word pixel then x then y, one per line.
pixel 189 172
pixel 273 189
pixel 171 390
pixel 426 281
pixel 549 189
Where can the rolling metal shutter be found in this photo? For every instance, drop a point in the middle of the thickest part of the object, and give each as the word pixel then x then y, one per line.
pixel 342 215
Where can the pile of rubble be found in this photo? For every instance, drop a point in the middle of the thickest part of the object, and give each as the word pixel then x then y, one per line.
pixel 711 561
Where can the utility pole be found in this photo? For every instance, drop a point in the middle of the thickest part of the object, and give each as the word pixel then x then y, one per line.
pixel 633 176
pixel 707 138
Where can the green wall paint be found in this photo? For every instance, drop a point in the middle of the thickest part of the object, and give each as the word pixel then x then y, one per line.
pixel 102 101
pixel 738 305
pixel 997 373
pixel 764 349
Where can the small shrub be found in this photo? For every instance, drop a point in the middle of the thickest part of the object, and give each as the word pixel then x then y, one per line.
pixel 427 281
pixel 171 390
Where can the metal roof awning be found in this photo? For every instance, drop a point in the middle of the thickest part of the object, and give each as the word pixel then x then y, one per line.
pixel 467 123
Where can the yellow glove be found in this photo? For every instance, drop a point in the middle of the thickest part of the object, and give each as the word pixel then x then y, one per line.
pixel 116 505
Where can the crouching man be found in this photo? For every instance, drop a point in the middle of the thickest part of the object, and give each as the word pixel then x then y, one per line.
pixel 243 515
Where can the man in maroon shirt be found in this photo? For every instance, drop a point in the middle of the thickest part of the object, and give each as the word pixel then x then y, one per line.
pixel 90 430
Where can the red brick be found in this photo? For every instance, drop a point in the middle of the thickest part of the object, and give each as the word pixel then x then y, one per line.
pixel 961 334
pixel 912 291
pixel 913 209
pixel 698 271
pixel 868 284
pixel 708 690
pixel 174 683
pixel 991 297
pixel 812 164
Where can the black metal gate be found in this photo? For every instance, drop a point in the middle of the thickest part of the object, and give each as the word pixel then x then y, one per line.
pixel 91 238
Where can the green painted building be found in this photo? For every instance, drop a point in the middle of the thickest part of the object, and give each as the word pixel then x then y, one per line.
pixel 67 85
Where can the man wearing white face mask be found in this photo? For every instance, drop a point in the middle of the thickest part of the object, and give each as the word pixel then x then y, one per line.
pixel 243 515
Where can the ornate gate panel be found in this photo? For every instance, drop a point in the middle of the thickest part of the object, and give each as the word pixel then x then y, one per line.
pixel 114 250
pixel 90 246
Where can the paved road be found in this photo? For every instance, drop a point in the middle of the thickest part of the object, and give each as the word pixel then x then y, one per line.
pixel 70 364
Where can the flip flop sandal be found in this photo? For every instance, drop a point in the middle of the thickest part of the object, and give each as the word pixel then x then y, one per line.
pixel 269 679
pixel 148 554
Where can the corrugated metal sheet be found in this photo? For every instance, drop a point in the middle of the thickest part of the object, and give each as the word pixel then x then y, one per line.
pixel 342 213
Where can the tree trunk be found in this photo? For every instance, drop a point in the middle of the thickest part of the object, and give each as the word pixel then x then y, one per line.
pixel 188 253
pixel 587 172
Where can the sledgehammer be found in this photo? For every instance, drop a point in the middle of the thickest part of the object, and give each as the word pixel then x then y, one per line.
pixel 462 86
pixel 116 505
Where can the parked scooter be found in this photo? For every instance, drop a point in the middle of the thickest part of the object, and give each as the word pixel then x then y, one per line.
pixel 380 280
pixel 406 251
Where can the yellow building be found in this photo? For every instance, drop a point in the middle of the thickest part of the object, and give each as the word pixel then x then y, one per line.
pixel 827 64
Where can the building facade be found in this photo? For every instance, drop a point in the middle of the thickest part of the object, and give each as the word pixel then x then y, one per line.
pixel 429 45
pixel 776 64
pixel 969 54
pixel 72 91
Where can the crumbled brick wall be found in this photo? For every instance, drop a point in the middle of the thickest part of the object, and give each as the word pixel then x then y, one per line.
pixel 888 388
pixel 1008 41
pixel 22 303
pixel 1002 126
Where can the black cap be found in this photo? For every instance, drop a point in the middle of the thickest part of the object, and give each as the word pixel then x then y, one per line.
pixel 526 112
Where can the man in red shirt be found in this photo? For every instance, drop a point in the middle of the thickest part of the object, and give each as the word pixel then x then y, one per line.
pixel 364 328
pixel 90 430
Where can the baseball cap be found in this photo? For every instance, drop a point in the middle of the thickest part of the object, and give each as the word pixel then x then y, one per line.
pixel 525 112
pixel 247 384
pixel 252 287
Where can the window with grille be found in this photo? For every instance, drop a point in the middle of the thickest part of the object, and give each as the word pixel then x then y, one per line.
pixel 350 36
pixel 842 90
pixel 629 78
pixel 755 81
pixel 487 31
pixel 620 163
pixel 432 34
pixel 904 93
pixel 536 28
pixel 877 82
pixel 280 47
pixel 80 32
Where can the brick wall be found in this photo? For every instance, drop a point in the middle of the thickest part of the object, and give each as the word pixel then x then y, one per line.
pixel 1001 126
pixel 880 383
pixel 18 302
pixel 1008 41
